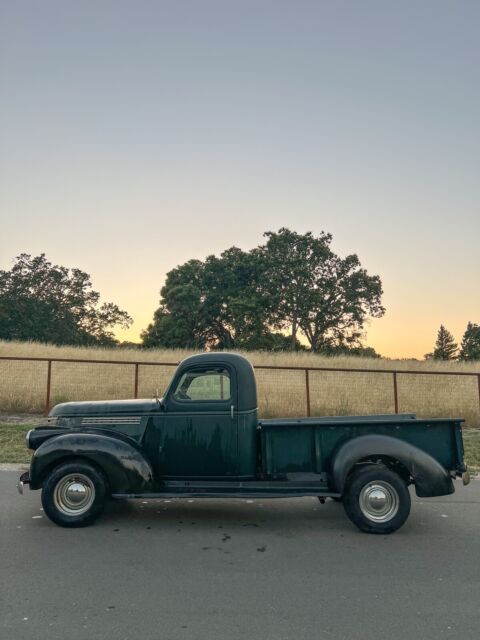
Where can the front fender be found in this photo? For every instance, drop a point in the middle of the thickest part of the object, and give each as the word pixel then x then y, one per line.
pixel 124 465
pixel 429 477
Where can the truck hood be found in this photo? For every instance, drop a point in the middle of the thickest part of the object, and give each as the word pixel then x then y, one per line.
pixel 106 408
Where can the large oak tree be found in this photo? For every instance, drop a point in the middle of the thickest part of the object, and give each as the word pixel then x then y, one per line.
pixel 293 283
pixel 312 289
pixel 212 303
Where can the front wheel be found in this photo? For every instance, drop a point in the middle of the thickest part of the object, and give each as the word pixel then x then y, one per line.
pixel 376 499
pixel 74 494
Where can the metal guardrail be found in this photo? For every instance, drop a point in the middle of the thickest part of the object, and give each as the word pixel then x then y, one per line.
pixel 136 364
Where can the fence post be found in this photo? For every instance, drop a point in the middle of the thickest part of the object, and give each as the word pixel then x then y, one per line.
pixel 478 380
pixel 395 391
pixel 135 389
pixel 307 388
pixel 49 382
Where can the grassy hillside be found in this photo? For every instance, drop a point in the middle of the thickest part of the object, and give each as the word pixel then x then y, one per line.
pixel 282 392
pixel 285 358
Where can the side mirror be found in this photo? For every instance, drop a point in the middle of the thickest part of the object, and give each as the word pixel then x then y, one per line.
pixel 160 402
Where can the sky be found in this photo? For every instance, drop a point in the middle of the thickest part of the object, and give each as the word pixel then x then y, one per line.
pixel 137 135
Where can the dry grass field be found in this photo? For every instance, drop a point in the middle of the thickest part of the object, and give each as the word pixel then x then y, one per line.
pixel 281 392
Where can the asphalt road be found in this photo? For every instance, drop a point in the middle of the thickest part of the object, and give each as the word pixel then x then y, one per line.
pixel 219 569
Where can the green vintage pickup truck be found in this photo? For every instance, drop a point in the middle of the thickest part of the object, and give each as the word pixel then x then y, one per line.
pixel 204 439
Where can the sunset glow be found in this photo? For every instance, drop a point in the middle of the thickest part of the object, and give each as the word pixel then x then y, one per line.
pixel 126 154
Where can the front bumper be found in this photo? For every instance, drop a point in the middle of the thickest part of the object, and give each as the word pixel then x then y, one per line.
pixel 466 477
pixel 462 473
pixel 22 481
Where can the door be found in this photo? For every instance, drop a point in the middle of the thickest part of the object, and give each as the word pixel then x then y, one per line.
pixel 199 432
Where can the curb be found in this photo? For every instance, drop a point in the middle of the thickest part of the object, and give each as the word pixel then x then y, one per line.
pixel 12 466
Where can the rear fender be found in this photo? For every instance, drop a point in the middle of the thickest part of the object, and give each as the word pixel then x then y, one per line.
pixel 124 465
pixel 429 477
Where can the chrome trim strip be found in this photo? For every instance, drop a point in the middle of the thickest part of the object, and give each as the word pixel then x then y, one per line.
pixel 112 420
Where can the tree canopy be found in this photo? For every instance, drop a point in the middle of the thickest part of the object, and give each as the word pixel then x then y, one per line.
pixel 311 288
pixel 211 304
pixel 293 284
pixel 50 303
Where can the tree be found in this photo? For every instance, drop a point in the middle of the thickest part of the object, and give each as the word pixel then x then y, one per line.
pixel 234 313
pixel 210 304
pixel 286 257
pixel 310 288
pixel 50 303
pixel 293 283
pixel 445 347
pixel 470 346
pixel 177 323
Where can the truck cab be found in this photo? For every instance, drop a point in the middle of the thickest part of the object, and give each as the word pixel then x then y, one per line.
pixel 208 425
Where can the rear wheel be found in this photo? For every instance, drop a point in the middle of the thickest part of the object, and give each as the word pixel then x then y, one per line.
pixel 74 494
pixel 376 499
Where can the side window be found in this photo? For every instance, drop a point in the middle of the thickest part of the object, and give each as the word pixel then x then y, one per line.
pixel 203 384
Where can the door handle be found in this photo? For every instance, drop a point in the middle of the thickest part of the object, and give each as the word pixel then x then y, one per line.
pixel 231 411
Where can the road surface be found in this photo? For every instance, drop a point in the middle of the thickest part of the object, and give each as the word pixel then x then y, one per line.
pixel 239 569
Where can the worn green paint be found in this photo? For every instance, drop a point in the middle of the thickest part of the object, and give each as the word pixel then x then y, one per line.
pixel 223 440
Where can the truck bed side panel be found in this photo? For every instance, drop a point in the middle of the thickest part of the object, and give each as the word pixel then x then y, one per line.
pixel 290 446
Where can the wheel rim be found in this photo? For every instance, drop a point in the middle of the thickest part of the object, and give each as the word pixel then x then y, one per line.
pixel 379 501
pixel 74 494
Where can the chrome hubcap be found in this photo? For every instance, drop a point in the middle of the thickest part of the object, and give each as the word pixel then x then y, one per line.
pixel 379 501
pixel 74 494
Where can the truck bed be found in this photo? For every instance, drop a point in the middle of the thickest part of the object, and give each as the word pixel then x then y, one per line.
pixel 307 445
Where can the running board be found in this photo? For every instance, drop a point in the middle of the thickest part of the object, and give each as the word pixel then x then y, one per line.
pixel 254 489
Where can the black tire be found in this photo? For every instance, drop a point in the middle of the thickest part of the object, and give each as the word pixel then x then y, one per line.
pixel 74 494
pixel 376 499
